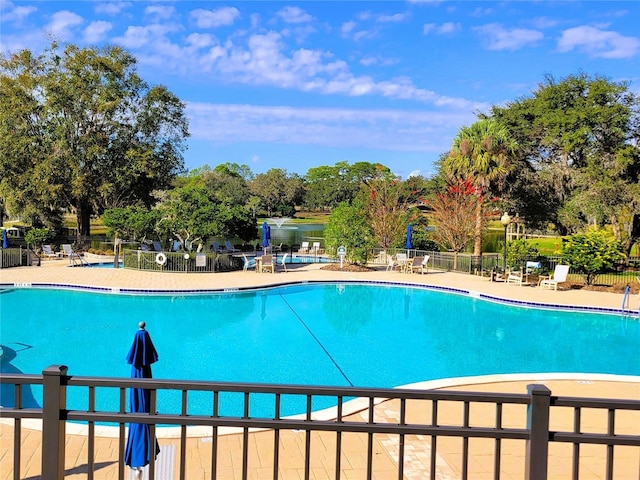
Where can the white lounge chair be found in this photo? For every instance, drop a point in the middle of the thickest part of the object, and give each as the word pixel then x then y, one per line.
pixel 419 264
pixel 315 248
pixel 69 252
pixel 248 263
pixel 47 251
pixel 515 276
pixel 283 262
pixel 559 276
pixel 304 247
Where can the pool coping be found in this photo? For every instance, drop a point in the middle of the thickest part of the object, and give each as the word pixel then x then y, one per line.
pixel 440 288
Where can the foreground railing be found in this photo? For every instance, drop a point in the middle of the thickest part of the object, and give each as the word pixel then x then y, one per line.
pixel 402 433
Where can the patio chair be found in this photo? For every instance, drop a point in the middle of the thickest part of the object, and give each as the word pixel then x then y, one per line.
pixel 419 264
pixel 315 248
pixel 230 247
pixel 283 262
pixel 215 246
pixel 391 263
pixel 47 251
pixel 248 263
pixel 266 263
pixel 157 246
pixel 68 251
pixel 515 276
pixel 559 276
pixel 304 247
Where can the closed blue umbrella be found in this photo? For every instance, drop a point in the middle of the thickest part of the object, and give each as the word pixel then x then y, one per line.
pixel 266 234
pixel 5 240
pixel 139 448
pixel 409 233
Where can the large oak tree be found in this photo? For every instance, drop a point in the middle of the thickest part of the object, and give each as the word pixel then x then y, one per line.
pixel 81 131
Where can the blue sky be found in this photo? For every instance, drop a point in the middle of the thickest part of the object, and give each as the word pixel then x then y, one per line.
pixel 296 85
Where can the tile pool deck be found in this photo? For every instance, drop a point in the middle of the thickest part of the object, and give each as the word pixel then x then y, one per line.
pixel 627 462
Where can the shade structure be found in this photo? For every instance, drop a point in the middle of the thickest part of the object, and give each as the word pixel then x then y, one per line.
pixel 409 234
pixel 5 240
pixel 140 445
pixel 266 234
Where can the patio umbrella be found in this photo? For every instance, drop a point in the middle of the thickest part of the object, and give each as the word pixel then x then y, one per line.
pixel 142 354
pixel 266 234
pixel 5 240
pixel 409 233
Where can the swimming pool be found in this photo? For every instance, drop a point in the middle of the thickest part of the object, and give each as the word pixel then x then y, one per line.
pixel 314 334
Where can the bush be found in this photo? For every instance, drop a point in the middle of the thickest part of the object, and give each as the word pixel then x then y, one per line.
pixel 592 253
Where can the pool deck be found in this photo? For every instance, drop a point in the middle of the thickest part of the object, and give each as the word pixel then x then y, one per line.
pixel 627 461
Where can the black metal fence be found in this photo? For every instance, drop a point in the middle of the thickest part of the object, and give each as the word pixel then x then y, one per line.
pixel 416 424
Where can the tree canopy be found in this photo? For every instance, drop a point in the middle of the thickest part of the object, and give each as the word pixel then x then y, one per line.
pixel 81 131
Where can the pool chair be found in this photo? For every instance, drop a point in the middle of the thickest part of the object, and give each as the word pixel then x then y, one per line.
pixel 304 247
pixel 315 248
pixel 157 246
pixel 283 262
pixel 249 263
pixel 47 251
pixel 266 263
pixel 515 276
pixel 419 264
pixel 393 264
pixel 68 251
pixel 229 247
pixel 216 247
pixel 559 276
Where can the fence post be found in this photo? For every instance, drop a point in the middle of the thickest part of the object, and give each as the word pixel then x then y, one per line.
pixel 537 454
pixel 54 402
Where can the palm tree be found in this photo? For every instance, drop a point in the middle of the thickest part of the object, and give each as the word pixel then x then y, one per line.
pixel 482 154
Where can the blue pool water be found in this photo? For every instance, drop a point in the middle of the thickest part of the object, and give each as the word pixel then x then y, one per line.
pixel 327 334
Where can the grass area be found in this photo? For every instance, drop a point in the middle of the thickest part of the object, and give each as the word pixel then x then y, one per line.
pixel 547 246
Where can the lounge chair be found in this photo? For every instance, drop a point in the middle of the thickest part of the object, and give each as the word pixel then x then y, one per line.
pixel 304 247
pixel 391 263
pixel 144 247
pixel 559 276
pixel 283 262
pixel 47 251
pixel 157 246
pixel 69 252
pixel 278 248
pixel 419 264
pixel 230 247
pixel 266 263
pixel 401 259
pixel 515 276
pixel 248 263
pixel 315 248
pixel 216 247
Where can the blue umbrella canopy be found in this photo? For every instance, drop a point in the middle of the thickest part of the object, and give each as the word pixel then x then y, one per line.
pixel 409 234
pixel 5 240
pixel 266 234
pixel 141 355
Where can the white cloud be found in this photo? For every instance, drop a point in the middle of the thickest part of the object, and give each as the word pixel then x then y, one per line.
pixel 598 43
pixel 111 8
pixel 414 173
pixel 294 15
pixel 499 38
pixel 394 18
pixel 97 31
pixel 137 37
pixel 443 29
pixel 63 23
pixel 160 12
pixel 221 17
pixel 13 14
pixel 389 130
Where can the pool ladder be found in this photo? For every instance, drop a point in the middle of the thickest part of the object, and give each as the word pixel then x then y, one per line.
pixel 626 310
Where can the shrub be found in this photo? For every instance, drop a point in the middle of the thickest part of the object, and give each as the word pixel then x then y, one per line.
pixel 592 253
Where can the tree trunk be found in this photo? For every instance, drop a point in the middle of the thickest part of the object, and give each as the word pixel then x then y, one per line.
pixel 633 238
pixel 477 244
pixel 83 220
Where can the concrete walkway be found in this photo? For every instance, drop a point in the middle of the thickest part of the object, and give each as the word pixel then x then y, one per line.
pixel 592 459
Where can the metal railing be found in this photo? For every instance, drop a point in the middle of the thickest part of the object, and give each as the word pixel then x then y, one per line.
pixel 15 257
pixel 181 262
pixel 416 424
